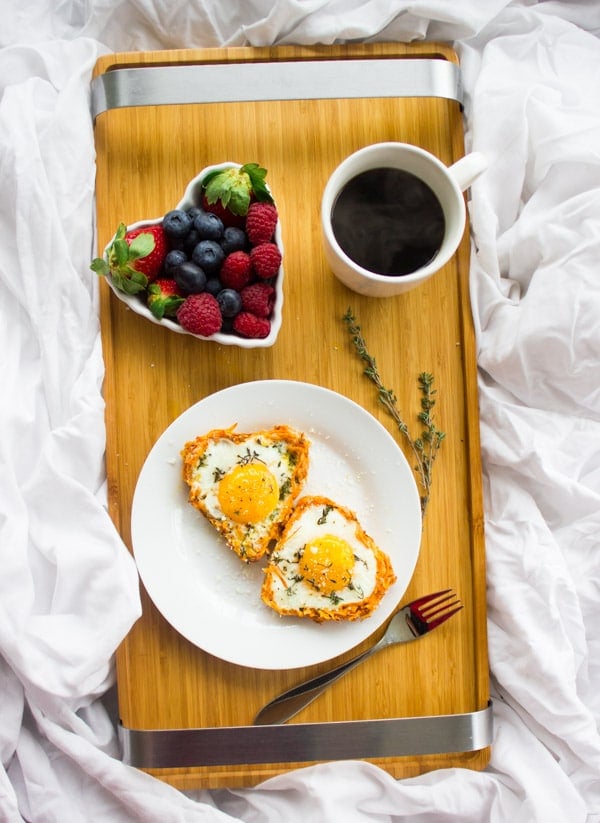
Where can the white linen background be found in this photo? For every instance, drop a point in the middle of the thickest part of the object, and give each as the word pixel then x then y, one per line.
pixel 68 587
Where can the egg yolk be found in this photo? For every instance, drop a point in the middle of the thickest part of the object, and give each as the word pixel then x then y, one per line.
pixel 248 493
pixel 327 563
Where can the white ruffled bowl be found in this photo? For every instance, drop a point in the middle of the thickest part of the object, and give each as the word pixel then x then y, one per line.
pixel 192 197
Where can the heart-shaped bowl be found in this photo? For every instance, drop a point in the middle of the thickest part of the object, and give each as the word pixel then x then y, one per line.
pixel 193 197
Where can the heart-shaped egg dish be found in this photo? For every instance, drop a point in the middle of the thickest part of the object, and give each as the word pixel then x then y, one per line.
pixel 211 266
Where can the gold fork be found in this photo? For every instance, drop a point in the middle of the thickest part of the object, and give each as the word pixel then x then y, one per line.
pixel 409 623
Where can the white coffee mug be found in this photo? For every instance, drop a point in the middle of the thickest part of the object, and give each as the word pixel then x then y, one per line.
pixel 446 182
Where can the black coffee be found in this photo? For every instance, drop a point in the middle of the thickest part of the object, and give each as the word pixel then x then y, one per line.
pixel 388 221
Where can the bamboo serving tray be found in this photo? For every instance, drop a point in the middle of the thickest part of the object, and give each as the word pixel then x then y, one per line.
pixel 186 715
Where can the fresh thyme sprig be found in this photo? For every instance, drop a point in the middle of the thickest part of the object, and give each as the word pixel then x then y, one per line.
pixel 424 448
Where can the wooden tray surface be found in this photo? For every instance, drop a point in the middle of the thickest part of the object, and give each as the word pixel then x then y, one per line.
pixel 145 157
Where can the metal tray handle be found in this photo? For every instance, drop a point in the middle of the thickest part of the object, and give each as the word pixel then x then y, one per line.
pixel 304 742
pixel 285 80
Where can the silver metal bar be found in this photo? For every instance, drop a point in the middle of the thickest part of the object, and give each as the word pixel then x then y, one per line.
pixel 305 742
pixel 286 80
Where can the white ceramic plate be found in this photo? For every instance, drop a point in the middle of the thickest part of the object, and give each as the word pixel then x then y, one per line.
pixel 201 587
pixel 191 198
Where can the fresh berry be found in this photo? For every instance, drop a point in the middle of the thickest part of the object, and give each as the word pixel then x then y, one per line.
pixel 266 259
pixel 234 239
pixel 227 217
pixel 261 221
pixel 230 302
pixel 177 223
pixel 189 242
pixel 190 278
pixel 174 259
pixel 134 258
pixel 213 286
pixel 209 226
pixel 164 298
pixel 200 314
pixel 236 270
pixel 234 188
pixel 249 325
pixel 258 298
pixel 209 255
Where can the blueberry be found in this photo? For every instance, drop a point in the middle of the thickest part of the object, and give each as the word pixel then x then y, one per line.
pixel 208 226
pixel 194 211
pixel 177 243
pixel 190 278
pixel 177 223
pixel 230 302
pixel 173 260
pixel 191 240
pixel 234 239
pixel 227 325
pixel 213 286
pixel 209 255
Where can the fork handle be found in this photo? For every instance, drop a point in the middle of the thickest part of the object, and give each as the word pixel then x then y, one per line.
pixel 289 703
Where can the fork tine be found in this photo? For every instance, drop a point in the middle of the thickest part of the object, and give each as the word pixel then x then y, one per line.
pixel 442 618
pixel 421 601
pixel 432 610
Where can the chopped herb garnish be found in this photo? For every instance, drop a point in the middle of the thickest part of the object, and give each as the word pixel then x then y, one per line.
pixel 356 588
pixel 249 457
pixel 323 518
pixel 285 488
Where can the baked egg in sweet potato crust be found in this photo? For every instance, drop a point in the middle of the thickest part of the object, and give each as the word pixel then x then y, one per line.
pixel 325 566
pixel 245 484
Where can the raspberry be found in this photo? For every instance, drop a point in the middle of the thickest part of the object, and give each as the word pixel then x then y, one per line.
pixel 258 298
pixel 249 325
pixel 260 222
pixel 266 259
pixel 236 270
pixel 200 314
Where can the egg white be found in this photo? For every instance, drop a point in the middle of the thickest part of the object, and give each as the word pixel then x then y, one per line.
pixel 296 592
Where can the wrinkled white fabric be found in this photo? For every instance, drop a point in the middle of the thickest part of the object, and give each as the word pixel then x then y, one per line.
pixel 68 587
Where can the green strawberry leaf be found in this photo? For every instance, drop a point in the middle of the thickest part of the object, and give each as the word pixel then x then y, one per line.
pixel 172 303
pixel 257 177
pixel 100 266
pixel 132 285
pixel 157 307
pixel 141 246
pixel 161 306
pixel 229 187
pixel 234 187
pixel 118 254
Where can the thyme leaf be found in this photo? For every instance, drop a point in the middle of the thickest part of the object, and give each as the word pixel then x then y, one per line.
pixel 323 518
pixel 424 448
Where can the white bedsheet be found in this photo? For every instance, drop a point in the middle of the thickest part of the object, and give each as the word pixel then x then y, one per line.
pixel 68 587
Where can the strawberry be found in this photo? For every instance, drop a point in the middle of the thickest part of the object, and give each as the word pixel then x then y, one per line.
pixel 234 188
pixel 134 258
pixel 164 298
pixel 261 221
pixel 227 217
pixel 266 259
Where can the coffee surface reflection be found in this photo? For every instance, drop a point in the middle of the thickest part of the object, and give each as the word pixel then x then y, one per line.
pixel 388 221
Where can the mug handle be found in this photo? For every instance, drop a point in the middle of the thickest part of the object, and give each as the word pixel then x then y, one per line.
pixel 468 169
